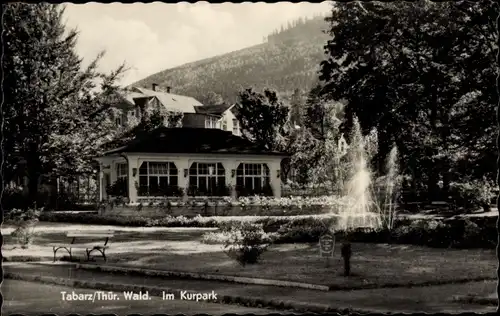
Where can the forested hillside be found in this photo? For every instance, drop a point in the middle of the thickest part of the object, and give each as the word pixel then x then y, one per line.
pixel 288 59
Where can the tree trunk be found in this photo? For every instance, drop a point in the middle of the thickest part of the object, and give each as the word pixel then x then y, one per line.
pixel 34 178
pixel 34 172
pixel 433 172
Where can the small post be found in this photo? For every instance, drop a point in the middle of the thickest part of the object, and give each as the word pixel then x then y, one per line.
pixel 327 246
pixel 346 252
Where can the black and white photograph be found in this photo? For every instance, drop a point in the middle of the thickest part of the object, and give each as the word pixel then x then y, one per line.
pixel 250 158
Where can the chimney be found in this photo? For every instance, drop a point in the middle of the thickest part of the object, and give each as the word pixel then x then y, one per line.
pixel 168 89
pixel 154 85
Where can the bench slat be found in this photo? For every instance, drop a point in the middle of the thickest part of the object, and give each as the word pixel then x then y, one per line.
pixel 90 232
pixel 85 235
pixel 80 246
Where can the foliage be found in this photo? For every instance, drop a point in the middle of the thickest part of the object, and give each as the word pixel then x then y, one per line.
pixel 421 73
pixel 285 62
pixel 478 232
pixel 13 197
pixel 218 237
pixel 245 192
pixel 44 79
pixel 455 233
pixel 211 98
pixel 297 189
pixel 171 191
pixel 303 230
pixel 246 243
pixel 297 107
pixel 21 218
pixel 262 118
pixel 472 194
pixel 217 191
pixel 24 222
pixel 306 151
pixel 330 166
pixel 118 188
pixel 135 221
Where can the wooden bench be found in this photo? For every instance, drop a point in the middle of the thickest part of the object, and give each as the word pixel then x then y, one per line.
pixel 103 236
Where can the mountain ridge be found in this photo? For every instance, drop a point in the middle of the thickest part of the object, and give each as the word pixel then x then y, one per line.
pixel 288 60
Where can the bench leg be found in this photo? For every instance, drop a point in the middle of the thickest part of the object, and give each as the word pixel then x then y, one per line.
pixel 102 251
pixel 55 249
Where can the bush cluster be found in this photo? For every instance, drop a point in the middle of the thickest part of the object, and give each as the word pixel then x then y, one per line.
pixel 471 195
pixel 135 221
pixel 24 222
pixel 246 242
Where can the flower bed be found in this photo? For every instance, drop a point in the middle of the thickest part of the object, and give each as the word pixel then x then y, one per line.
pixel 226 206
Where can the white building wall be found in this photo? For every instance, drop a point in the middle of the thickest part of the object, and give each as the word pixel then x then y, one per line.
pixel 228 118
pixel 183 162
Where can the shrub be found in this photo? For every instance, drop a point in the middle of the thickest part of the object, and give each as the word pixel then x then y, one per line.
pixel 24 235
pixel 246 243
pixel 472 194
pixel 136 221
pixel 303 230
pixel 214 238
pixel 24 222
pixel 456 232
pixel 14 198
pixel 118 188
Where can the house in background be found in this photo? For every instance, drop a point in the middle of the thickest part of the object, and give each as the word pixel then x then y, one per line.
pixel 134 101
pixel 221 116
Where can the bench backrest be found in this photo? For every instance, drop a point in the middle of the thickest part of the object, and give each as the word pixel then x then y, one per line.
pixel 91 234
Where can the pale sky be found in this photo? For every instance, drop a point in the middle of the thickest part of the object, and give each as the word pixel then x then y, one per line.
pixel 156 36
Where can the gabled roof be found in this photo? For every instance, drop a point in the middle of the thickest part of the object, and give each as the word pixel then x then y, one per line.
pixel 191 140
pixel 129 96
pixel 170 101
pixel 216 109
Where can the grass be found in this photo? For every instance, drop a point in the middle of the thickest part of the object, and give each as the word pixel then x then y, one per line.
pixel 180 249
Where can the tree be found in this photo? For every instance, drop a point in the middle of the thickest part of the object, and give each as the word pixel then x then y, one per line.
pixel 421 73
pixel 305 150
pixel 212 98
pixel 296 108
pixel 56 114
pixel 263 118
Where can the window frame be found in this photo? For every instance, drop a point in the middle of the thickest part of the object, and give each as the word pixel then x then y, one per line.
pixel 169 171
pixel 211 121
pixel 121 170
pixel 212 182
pixel 236 127
pixel 252 173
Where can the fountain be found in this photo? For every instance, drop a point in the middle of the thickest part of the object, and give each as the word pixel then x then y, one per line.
pixel 360 207
pixel 358 202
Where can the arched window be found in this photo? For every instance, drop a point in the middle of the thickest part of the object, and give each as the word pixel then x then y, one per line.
pixel 157 178
pixel 207 179
pixel 253 178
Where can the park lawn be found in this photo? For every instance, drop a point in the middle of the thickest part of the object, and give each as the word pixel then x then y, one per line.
pixel 377 265
pixel 180 249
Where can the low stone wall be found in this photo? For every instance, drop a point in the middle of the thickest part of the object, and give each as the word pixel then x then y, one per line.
pixel 210 210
